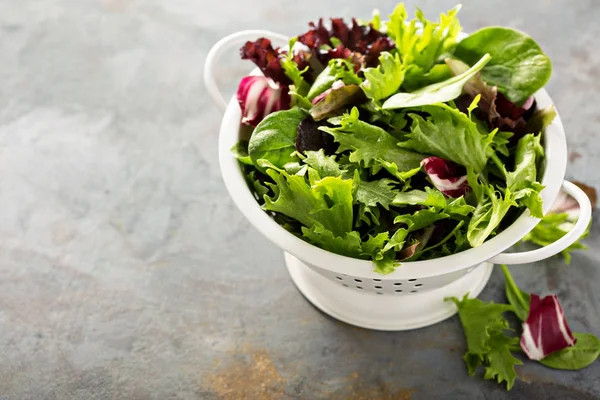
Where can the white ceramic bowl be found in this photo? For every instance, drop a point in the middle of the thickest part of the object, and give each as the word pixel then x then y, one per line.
pixel 347 288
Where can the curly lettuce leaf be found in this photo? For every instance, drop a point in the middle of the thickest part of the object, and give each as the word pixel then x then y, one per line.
pixel 522 182
pixel 487 344
pixel 449 134
pixel 293 72
pixel 347 245
pixel 371 146
pixel 337 69
pixel 327 202
pixel 380 192
pixel 323 164
pixel 421 42
pixel 491 208
pixel 385 80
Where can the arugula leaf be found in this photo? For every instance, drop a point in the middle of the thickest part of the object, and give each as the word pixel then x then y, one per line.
pixel 274 138
pixel 291 70
pixel 371 146
pixel 487 344
pixel 440 92
pixel 491 208
pixel 347 245
pixel 328 202
pixel 449 134
pixel 385 80
pixel 518 66
pixel 585 351
pixel 551 228
pixel 522 182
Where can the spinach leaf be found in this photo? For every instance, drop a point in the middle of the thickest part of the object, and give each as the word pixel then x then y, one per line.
pixel 584 353
pixel 440 92
pixel 518 66
pixel 274 138
pixel 516 297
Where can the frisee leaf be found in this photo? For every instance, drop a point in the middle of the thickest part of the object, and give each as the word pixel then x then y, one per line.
pixel 385 80
pixel 449 134
pixel 347 245
pixel 370 145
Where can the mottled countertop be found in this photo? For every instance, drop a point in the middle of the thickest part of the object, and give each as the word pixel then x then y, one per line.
pixel 128 273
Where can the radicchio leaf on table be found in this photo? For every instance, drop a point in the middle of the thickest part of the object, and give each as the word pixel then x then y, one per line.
pixel 355 38
pixel 545 330
pixel 311 138
pixel 258 97
pixel 445 176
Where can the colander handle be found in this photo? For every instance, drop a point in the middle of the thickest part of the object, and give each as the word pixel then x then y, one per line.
pixel 223 45
pixel 585 215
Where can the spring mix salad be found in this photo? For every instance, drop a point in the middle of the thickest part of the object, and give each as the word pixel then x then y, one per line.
pixel 396 140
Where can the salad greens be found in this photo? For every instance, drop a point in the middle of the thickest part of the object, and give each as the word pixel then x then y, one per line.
pixel 491 342
pixel 393 140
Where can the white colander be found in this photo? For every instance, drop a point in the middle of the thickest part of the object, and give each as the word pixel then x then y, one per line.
pixel 413 295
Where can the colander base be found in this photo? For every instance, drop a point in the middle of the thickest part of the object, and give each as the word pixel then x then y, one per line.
pixel 384 312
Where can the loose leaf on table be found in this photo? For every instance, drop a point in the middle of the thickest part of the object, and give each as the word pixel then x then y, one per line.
pixel 371 145
pixel 440 92
pixel 487 344
pixel 274 138
pixel 385 80
pixel 545 330
pixel 449 134
pixel 518 66
pixel 585 351
pixel 326 203
pixel 517 298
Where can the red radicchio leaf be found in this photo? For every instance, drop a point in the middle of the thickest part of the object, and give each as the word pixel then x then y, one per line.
pixel 545 330
pixel 364 40
pixel 445 176
pixel 258 97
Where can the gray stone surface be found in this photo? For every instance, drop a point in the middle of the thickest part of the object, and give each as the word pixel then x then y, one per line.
pixel 127 272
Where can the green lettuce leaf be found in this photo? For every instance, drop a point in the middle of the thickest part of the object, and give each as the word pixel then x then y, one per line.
pixel 337 69
pixel 327 203
pixel 260 189
pixel 522 182
pixel 451 135
pixel 429 197
pixel 240 151
pixel 518 66
pixel 491 207
pixel 541 119
pixel 439 92
pixel 487 344
pixel 418 220
pixel 380 192
pixel 323 164
pixel 421 42
pixel 347 245
pixel 274 138
pixel 551 228
pixel 385 80
pixel 371 146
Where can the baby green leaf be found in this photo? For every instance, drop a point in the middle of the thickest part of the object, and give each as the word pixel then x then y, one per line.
pixel 518 66
pixel 585 351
